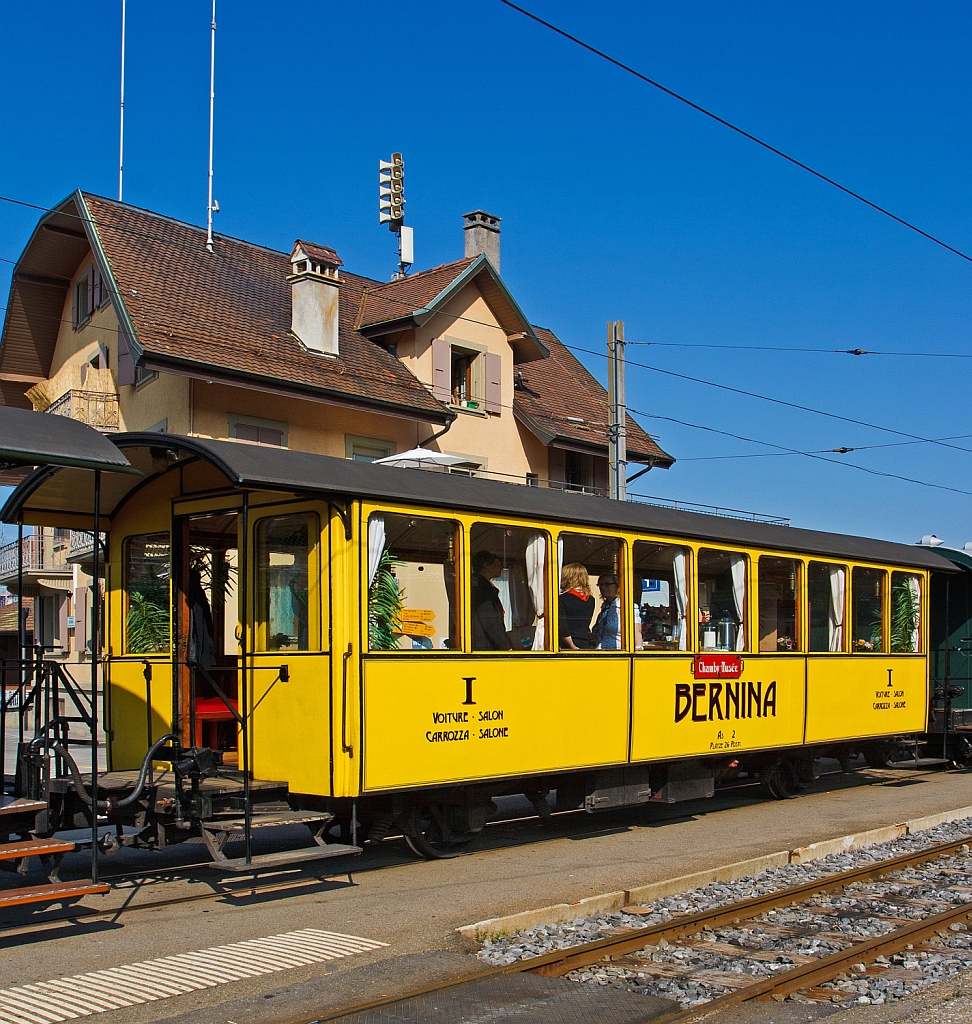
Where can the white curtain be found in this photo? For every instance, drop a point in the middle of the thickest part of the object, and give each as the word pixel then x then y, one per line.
pixel 914 586
pixel 502 584
pixel 737 566
pixel 681 598
pixel 376 545
pixel 536 557
pixel 836 620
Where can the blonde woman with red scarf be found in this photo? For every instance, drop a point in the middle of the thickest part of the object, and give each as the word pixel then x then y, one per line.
pixel 576 609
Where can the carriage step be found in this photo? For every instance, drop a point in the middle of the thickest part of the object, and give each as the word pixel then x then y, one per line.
pixel 57 892
pixel 308 818
pixel 283 858
pixel 34 848
pixel 11 808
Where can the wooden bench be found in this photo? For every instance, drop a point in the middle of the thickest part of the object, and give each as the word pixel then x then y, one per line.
pixel 56 892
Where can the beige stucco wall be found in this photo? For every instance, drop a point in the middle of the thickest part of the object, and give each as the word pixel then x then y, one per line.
pixel 311 426
pixel 495 438
pixel 165 398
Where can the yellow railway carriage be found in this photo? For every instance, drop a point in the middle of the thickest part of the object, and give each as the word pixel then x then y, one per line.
pixel 411 644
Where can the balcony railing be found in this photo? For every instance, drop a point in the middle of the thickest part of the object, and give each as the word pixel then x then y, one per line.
pixel 41 554
pixel 96 408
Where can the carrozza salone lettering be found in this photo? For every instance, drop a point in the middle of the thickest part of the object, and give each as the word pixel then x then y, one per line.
pixel 719 701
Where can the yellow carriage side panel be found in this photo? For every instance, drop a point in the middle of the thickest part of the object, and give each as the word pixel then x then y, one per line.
pixel 429 721
pixel 865 695
pixel 675 715
pixel 290 724
pixel 129 722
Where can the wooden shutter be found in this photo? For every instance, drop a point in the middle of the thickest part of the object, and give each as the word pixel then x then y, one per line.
pixel 91 305
pixel 74 307
pixel 441 369
pixel 494 383
pixel 80 618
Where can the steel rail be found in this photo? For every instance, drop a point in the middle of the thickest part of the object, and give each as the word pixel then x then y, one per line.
pixel 562 961
pixel 824 969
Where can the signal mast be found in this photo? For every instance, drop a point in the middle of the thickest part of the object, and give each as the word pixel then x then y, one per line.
pixel 391 209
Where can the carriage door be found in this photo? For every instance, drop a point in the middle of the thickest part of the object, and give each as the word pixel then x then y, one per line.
pixel 208 631
pixel 287 660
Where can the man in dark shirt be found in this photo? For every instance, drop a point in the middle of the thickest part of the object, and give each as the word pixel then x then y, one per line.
pixel 488 620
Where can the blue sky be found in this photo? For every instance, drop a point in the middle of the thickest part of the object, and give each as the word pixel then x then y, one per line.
pixel 617 202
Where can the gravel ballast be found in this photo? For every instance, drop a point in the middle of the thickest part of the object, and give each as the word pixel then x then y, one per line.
pixel 714 962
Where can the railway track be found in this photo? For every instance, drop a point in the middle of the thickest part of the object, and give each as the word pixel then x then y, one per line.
pixel 805 941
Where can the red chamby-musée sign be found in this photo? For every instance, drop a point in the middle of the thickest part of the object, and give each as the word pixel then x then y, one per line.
pixel 718 666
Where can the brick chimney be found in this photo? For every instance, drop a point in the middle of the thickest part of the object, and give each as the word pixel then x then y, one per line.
pixel 314 293
pixel 482 235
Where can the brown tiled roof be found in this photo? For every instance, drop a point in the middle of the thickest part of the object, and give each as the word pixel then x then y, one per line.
pixel 554 389
pixel 397 299
pixel 8 616
pixel 229 311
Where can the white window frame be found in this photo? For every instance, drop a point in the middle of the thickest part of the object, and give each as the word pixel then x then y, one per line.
pixel 236 419
pixel 380 446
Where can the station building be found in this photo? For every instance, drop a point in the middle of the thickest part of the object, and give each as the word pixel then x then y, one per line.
pixel 123 319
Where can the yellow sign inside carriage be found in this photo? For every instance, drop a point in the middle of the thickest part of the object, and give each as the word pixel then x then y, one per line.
pixel 432 720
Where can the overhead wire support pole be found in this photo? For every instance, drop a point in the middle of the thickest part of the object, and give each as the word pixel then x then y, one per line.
pixel 212 101
pixel 121 113
pixel 617 413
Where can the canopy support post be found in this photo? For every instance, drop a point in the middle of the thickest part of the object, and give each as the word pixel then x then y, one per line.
pixel 244 690
pixel 95 661
pixel 21 629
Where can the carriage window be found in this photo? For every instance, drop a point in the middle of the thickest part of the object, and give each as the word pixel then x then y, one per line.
pixel 826 587
pixel 867 597
pixel 722 600
pixel 412 602
pixel 779 604
pixel 660 597
pixel 591 602
pixel 905 613
pixel 508 567
pixel 284 587
pixel 147 571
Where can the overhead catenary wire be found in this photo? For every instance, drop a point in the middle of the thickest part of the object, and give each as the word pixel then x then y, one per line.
pixel 819 451
pixel 735 128
pixel 775 401
pixel 794 451
pixel 798 350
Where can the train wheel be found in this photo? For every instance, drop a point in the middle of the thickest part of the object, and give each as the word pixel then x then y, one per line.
pixel 780 780
pixel 428 834
pixel 878 755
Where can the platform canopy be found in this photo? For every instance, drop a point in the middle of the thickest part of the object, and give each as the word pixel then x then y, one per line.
pixel 55 496
pixel 40 439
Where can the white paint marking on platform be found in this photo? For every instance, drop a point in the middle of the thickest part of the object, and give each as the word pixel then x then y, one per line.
pixel 82 995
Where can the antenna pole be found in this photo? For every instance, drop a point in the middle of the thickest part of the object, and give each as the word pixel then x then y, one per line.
pixel 212 98
pixel 121 114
